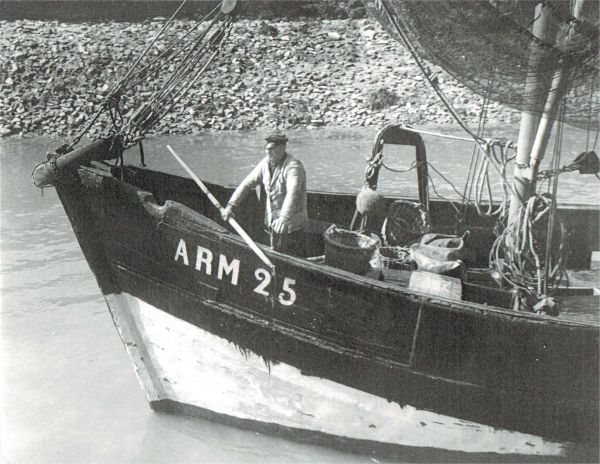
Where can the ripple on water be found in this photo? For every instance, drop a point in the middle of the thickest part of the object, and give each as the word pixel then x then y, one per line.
pixel 46 259
pixel 19 305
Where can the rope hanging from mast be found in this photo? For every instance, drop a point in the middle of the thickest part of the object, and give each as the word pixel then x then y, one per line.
pixel 529 254
pixel 523 256
pixel 478 175
pixel 431 77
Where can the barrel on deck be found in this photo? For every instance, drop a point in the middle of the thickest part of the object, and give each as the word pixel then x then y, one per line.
pixel 348 250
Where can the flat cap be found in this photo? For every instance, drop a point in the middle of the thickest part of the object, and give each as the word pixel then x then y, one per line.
pixel 277 139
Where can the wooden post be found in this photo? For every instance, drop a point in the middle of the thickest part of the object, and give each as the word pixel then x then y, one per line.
pixel 44 174
pixel 536 88
pixel 556 93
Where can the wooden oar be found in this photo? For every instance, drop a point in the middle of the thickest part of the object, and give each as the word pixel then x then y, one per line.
pixel 251 243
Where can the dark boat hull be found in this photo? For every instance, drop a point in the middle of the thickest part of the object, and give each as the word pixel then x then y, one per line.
pixel 188 370
pixel 534 375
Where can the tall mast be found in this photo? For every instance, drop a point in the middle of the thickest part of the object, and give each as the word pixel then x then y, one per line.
pixel 534 131
pixel 536 89
pixel 557 91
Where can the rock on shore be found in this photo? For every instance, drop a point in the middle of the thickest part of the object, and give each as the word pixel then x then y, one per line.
pixel 279 74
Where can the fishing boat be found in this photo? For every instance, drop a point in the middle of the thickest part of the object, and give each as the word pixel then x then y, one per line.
pixel 409 324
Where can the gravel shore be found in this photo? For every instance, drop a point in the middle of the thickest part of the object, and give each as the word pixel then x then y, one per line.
pixel 280 74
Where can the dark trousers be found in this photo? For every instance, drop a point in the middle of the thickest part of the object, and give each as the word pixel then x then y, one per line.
pixel 291 243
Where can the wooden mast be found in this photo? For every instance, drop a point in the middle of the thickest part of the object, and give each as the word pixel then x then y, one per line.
pixel 557 91
pixel 536 88
pixel 534 131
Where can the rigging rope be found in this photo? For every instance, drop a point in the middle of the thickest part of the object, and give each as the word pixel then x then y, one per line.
pixel 112 100
pixel 431 77
pixel 120 84
pixel 483 145
pixel 518 254
pixel 186 76
pixel 193 52
pixel 478 174
pixel 155 64
pixel 475 152
pixel 529 253
pixel 201 51
pixel 553 193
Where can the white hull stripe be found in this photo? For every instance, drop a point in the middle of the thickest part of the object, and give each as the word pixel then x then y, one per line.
pixel 194 367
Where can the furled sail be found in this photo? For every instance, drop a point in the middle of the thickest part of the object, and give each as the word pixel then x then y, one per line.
pixel 487 45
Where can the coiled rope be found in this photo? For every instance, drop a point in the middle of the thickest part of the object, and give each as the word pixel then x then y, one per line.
pixel 522 254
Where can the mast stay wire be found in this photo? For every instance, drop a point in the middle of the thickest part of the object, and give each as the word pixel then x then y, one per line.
pixel 179 82
pixel 112 99
pixel 154 65
pixel 118 86
pixel 432 80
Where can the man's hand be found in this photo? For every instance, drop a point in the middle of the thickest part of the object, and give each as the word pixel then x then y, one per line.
pixel 227 214
pixel 280 225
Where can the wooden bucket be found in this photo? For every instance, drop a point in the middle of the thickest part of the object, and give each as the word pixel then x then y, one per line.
pixel 348 250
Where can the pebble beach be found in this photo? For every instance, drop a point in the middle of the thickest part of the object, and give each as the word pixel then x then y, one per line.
pixel 280 74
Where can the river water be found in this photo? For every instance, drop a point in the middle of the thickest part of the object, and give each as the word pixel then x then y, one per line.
pixel 69 393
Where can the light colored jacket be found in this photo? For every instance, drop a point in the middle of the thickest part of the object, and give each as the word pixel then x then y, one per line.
pixel 285 188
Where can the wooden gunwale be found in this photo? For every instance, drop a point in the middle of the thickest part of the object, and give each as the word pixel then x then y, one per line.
pixel 582 221
pixel 152 206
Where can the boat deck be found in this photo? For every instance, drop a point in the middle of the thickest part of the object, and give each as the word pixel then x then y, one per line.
pixel 583 307
pixel 579 303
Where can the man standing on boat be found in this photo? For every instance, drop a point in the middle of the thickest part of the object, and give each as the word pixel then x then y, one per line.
pixel 284 182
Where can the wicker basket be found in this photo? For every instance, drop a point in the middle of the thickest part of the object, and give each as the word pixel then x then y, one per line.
pixel 405 223
pixel 394 257
pixel 348 250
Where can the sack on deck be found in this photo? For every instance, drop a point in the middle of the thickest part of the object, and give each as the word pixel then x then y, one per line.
pixel 440 254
